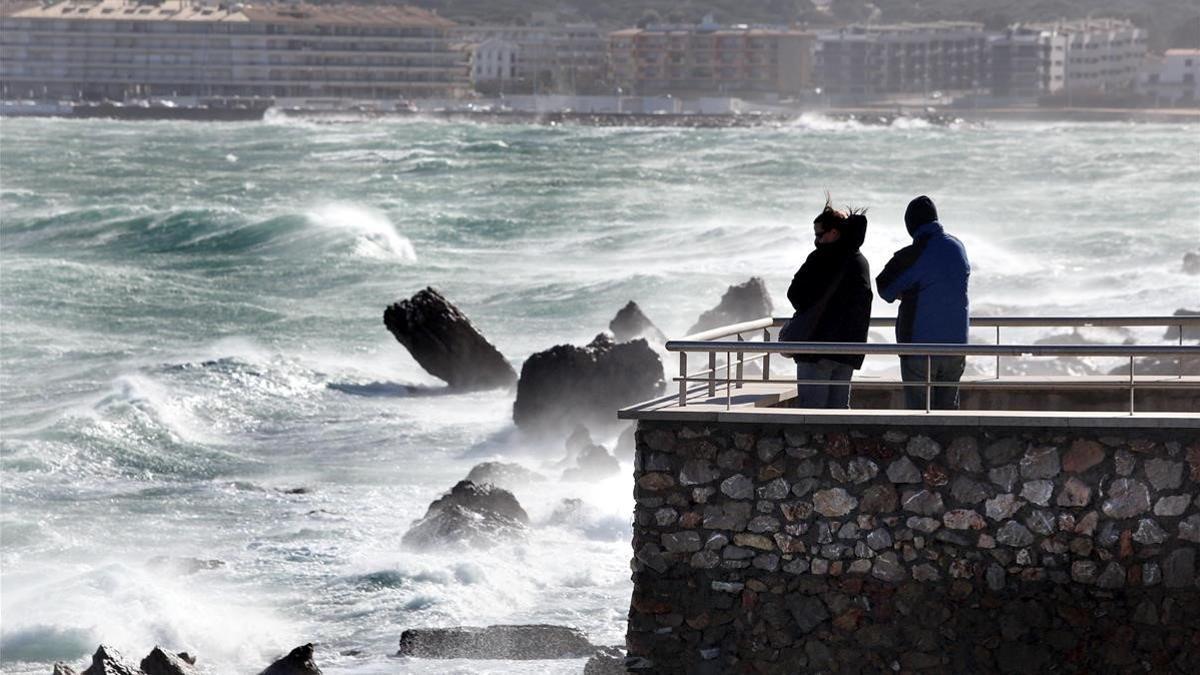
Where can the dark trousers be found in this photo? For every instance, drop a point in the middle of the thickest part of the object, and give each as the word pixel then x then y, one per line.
pixel 836 394
pixel 944 369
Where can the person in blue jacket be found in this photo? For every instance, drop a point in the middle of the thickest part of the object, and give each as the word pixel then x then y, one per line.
pixel 930 278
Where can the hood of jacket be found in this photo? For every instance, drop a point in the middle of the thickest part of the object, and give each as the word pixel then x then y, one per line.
pixel 851 235
pixel 929 229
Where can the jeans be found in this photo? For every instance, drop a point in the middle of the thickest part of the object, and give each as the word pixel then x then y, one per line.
pixel 823 395
pixel 945 369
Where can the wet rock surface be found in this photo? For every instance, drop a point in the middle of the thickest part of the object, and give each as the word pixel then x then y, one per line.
pixel 476 515
pixel 159 662
pixel 967 550
pixel 568 385
pixel 299 661
pixel 741 302
pixel 518 642
pixel 505 475
pixel 630 324
pixel 445 342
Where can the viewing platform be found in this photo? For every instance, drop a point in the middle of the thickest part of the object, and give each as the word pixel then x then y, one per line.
pixel 1052 523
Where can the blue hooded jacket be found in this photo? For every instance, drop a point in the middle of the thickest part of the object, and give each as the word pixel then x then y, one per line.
pixel 930 279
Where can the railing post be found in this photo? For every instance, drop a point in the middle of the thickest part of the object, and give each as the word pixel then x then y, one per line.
pixel 1179 359
pixel 997 356
pixel 741 360
pixel 928 382
pixel 728 394
pixel 1131 385
pixel 712 374
pixel 682 379
pixel 766 364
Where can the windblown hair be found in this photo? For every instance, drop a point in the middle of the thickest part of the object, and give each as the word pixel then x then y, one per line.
pixel 834 219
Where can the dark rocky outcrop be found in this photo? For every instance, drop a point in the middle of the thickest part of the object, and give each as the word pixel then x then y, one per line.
pixel 568 385
pixel 108 661
pixel 495 642
pixel 606 661
pixel 630 323
pixel 299 661
pixel 442 339
pixel 61 668
pixel 1189 332
pixel 505 475
pixel 159 662
pixel 593 463
pixel 743 302
pixel 478 515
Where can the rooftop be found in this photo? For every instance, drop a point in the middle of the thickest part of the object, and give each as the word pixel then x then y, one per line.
pixel 199 10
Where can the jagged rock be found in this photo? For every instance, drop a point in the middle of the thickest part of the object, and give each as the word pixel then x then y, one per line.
pixel 108 661
pixel 479 515
pixel 442 339
pixel 630 323
pixel 61 668
pixel 567 385
pixel 1189 332
pixel 505 475
pixel 299 661
pixel 606 661
pixel 521 642
pixel 594 462
pixel 743 302
pixel 159 662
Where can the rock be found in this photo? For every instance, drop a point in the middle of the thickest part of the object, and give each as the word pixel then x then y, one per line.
pixel 1004 476
pixel 1172 505
pixel 108 661
pixel 963 455
pixel 1002 451
pixel 479 515
pixel 681 542
pixel 968 491
pixel 738 486
pixel 887 567
pixel 159 662
pixel 593 463
pixel 1189 332
pixel 1124 462
pixel 505 475
pixel 1126 498
pixel 1148 532
pixel 1074 493
pixel 1002 506
pixel 923 447
pixel 1164 474
pixel 1040 463
pixel 61 668
pixel 698 472
pixel 630 323
pixel 442 339
pixel 1083 455
pixel 606 661
pixel 1179 569
pixel 903 471
pixel 878 499
pixel 1113 576
pixel 861 470
pixel 299 661
pixel 1038 491
pixel 879 539
pixel 518 642
pixel 833 502
pixel 744 302
pixel 1189 528
pixel 1014 534
pixel 922 502
pixel 567 385
pixel 963 519
pixel 808 612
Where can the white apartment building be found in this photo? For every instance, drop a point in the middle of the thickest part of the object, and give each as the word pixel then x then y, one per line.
pixel 494 60
pixel 549 56
pixel 117 49
pixel 1173 79
pixel 1092 55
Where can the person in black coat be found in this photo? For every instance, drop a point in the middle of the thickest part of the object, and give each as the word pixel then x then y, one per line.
pixel 844 310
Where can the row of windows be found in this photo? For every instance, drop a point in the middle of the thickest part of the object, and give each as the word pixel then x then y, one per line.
pixel 214 27
pixel 214 76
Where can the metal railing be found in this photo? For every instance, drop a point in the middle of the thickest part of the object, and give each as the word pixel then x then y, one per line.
pixel 732 342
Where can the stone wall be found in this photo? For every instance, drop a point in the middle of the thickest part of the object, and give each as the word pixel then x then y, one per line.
pixel 819 548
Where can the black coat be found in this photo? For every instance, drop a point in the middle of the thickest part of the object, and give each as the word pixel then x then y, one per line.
pixel 847 315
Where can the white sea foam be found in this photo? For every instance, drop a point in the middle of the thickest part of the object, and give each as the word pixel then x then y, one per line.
pixel 374 235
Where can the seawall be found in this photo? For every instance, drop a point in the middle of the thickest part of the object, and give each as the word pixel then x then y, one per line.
pixel 940 543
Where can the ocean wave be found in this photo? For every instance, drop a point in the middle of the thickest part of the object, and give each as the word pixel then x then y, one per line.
pixel 374 235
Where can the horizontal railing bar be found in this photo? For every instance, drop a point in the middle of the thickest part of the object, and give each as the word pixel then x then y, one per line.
pixel 927 349
pixel 980 384
pixel 733 329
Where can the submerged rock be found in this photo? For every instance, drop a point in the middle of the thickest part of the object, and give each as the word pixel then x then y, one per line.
pixel 606 661
pixel 593 463
pixel 299 661
pixel 442 339
pixel 505 475
pixel 630 323
pixel 743 302
pixel 108 661
pixel 521 642
pixel 568 385
pixel 478 515
pixel 159 662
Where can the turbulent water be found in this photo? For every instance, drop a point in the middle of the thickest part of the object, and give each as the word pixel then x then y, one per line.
pixel 191 330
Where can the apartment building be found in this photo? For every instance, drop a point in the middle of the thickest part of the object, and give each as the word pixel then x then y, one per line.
pixel 1093 55
pixel 706 59
pixel 1173 79
pixel 117 49
pixel 862 61
pixel 547 56
pixel 1018 63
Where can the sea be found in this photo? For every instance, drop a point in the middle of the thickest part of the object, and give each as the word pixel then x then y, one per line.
pixel 210 442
